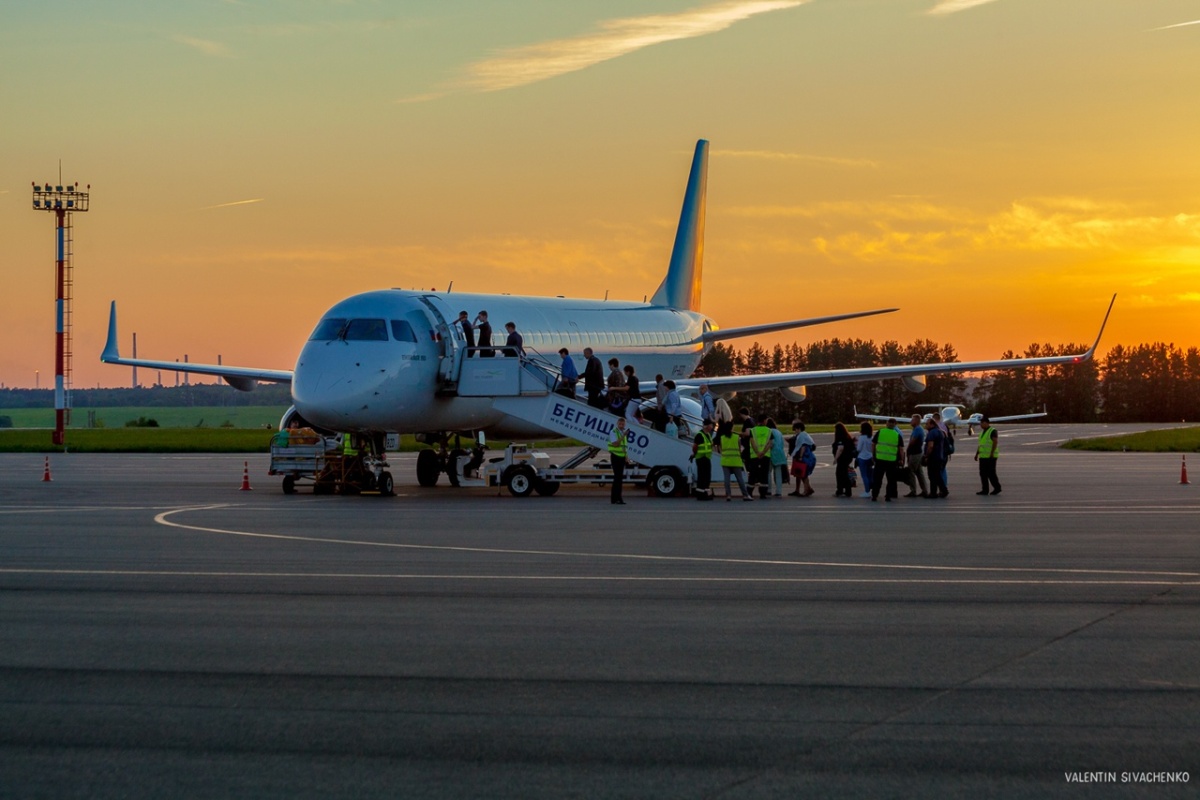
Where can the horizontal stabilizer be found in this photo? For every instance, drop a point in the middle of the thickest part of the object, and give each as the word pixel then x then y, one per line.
pixel 241 378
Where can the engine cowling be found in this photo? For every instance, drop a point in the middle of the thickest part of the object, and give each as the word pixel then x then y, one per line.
pixel 914 383
pixel 794 394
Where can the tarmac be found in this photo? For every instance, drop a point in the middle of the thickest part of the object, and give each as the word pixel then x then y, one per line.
pixel 163 634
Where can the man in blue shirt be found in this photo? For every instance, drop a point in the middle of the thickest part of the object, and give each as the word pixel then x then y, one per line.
pixel 916 458
pixel 570 375
pixel 935 459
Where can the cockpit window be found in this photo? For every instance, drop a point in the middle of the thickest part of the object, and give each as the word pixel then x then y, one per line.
pixel 327 330
pixel 403 332
pixel 366 330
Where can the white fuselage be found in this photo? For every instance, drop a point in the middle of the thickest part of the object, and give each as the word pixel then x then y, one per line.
pixel 384 372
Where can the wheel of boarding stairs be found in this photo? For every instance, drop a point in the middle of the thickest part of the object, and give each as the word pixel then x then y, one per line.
pixel 545 488
pixel 665 481
pixel 520 479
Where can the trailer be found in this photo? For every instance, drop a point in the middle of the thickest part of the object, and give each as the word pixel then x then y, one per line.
pixel 331 471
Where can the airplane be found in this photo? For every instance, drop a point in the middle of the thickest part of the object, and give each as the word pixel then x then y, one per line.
pixel 952 415
pixel 386 361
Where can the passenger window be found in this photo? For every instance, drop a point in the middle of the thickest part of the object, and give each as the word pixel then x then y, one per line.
pixel 366 330
pixel 327 330
pixel 403 332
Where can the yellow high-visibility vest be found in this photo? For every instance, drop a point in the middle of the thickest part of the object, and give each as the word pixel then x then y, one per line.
pixel 704 447
pixel 988 446
pixel 731 455
pixel 887 447
pixel 617 448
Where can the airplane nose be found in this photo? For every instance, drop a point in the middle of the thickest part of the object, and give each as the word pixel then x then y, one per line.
pixel 336 390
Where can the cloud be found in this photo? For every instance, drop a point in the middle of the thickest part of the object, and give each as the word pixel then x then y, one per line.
pixel 522 66
pixel 926 232
pixel 205 46
pixel 1176 25
pixel 770 155
pixel 234 203
pixel 950 6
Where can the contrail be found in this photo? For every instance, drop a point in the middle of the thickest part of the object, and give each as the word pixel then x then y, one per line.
pixel 1176 25
pixel 234 203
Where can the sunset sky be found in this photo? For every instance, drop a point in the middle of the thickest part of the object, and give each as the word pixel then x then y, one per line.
pixel 996 168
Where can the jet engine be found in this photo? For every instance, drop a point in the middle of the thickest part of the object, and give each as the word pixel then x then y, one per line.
pixel 794 394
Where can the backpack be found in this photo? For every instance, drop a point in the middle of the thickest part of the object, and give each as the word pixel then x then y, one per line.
pixel 949 444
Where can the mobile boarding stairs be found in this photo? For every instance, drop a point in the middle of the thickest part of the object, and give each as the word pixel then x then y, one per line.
pixel 525 388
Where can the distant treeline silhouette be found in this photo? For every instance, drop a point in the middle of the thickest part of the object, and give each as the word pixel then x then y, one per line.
pixel 1142 383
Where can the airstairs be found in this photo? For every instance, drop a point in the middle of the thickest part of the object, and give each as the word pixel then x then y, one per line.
pixel 524 388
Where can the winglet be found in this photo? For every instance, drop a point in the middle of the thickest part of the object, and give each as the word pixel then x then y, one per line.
pixel 1092 350
pixel 112 351
pixel 680 289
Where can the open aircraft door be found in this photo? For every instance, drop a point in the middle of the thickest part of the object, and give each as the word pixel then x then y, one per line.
pixel 452 343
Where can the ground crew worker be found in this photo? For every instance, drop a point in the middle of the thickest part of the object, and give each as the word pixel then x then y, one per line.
pixel 729 445
pixel 616 452
pixel 888 450
pixel 760 459
pixel 348 448
pixel 986 454
pixel 702 448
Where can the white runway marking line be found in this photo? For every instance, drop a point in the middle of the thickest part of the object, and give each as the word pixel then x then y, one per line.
pixel 585 578
pixel 162 520
pixel 65 509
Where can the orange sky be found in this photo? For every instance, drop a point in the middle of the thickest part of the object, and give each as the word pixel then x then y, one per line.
pixel 996 169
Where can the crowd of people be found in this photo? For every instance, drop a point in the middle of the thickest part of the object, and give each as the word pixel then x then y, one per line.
pixel 761 459
pixel 758 457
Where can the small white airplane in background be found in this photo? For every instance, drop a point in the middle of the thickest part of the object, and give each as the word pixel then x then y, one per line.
pixel 952 414
pixel 390 361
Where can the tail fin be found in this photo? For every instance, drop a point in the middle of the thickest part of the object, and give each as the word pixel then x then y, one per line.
pixel 681 288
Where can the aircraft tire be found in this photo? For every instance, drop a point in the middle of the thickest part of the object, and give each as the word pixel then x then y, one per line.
pixel 387 487
pixel 428 468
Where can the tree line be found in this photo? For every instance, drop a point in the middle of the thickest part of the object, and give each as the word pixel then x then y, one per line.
pixel 1142 383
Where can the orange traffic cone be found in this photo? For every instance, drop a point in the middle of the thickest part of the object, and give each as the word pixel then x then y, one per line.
pixel 246 487
pixel 1182 471
pixel 46 475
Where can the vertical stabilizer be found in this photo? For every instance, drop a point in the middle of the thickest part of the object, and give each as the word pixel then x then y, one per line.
pixel 681 288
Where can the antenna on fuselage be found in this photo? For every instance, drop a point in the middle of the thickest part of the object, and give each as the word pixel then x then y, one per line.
pixel 606 295
pixel 450 288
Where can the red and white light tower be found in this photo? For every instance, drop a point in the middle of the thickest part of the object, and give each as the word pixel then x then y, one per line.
pixel 63 201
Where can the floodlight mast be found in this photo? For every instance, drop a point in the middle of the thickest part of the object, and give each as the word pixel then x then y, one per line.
pixel 63 201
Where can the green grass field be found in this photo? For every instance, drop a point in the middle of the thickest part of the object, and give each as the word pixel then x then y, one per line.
pixel 1175 440
pixel 189 429
pixel 168 417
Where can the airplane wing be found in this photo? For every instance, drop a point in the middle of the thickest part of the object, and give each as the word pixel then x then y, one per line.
pixel 1013 417
pixel 876 417
pixel 783 380
pixel 720 334
pixel 241 378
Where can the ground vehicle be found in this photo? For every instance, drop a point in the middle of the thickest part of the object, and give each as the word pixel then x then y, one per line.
pixel 331 471
pixel 524 470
